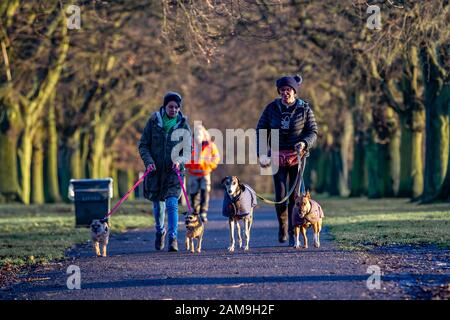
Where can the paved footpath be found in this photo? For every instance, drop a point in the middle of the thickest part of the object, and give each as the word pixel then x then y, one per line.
pixel 134 270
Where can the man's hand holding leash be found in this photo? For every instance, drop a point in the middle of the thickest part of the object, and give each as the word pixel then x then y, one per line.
pixel 264 161
pixel 176 166
pixel 301 147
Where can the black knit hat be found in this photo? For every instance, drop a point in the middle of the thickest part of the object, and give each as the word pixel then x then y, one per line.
pixel 293 82
pixel 172 96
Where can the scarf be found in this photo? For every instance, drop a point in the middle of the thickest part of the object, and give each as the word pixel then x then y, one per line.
pixel 168 123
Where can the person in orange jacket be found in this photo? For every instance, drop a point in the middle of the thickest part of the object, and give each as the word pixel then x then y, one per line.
pixel 205 158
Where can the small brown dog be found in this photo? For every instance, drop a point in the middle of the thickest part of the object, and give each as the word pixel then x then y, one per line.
pixel 307 213
pixel 194 230
pixel 100 235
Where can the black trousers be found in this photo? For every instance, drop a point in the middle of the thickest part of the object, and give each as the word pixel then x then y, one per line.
pixel 200 201
pixel 284 210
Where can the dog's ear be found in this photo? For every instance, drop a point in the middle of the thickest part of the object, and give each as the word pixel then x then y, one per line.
pixel 308 194
pixel 223 180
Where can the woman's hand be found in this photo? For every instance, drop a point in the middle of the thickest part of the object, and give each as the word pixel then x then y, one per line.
pixel 151 167
pixel 264 161
pixel 176 165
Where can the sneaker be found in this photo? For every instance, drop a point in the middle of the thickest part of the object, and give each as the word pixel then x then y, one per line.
pixel 173 245
pixel 204 217
pixel 160 239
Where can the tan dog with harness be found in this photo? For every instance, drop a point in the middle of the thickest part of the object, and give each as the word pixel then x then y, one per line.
pixel 194 230
pixel 307 213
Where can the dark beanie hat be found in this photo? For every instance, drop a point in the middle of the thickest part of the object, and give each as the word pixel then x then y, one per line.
pixel 293 82
pixel 172 96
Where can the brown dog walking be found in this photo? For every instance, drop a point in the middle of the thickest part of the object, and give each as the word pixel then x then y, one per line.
pixel 307 213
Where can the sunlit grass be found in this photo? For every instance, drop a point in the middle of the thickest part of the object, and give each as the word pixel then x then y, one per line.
pixel 364 224
pixel 41 233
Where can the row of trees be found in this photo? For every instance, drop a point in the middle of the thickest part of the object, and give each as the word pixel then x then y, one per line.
pixel 73 102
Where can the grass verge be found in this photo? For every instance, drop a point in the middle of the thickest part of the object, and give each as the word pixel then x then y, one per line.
pixel 363 224
pixel 37 234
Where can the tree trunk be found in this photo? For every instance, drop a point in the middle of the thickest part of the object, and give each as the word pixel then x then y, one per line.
pixel 323 163
pixel 37 176
pixel 84 154
pixel 346 153
pixel 376 166
pixel 412 122
pixel 122 182
pixel 359 169
pixel 437 98
pixel 411 167
pixel 97 151
pixel 105 164
pixel 335 176
pixel 359 172
pixel 444 193
pixel 51 159
pixel 9 180
pixel 383 152
pixel 69 166
pixel 131 180
pixel 115 177
pixel 25 156
pixel 393 181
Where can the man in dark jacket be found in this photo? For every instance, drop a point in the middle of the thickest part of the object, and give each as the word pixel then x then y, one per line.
pixel 157 149
pixel 294 119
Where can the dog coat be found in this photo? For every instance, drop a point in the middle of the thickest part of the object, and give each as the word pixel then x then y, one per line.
pixel 240 206
pixel 313 216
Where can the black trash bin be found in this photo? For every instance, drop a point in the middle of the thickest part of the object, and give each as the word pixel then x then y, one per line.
pixel 92 199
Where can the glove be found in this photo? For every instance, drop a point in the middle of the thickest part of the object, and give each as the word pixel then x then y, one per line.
pixel 301 147
pixel 176 165
pixel 264 161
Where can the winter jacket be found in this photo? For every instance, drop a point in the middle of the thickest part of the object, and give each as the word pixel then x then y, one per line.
pixel 296 124
pixel 155 147
pixel 313 216
pixel 241 205
pixel 207 160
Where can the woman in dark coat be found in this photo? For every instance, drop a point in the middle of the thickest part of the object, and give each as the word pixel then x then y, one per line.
pixel 294 119
pixel 161 135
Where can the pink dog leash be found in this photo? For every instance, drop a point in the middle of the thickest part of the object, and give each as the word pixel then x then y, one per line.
pixel 182 188
pixel 128 194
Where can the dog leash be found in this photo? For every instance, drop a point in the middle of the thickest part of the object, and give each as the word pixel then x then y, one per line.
pixel 177 171
pixel 127 194
pixel 301 169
